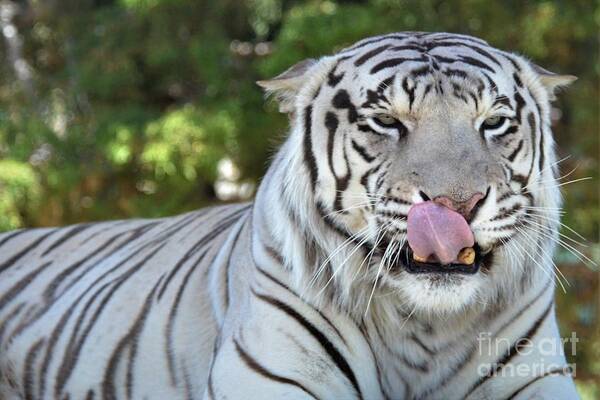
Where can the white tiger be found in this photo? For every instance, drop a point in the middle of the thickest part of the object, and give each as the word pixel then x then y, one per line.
pixel 347 277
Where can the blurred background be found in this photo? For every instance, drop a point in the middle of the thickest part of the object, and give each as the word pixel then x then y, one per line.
pixel 144 108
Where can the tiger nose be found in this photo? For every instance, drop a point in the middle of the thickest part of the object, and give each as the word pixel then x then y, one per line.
pixel 465 208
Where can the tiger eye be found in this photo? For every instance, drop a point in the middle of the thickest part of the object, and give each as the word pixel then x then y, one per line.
pixel 386 119
pixel 492 120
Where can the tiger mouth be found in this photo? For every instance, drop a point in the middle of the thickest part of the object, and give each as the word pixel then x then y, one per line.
pixel 407 261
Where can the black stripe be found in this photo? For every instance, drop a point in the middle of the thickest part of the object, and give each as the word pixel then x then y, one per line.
pixel 332 78
pixel 331 123
pixel 502 100
pixel 167 233
pixel 286 287
pixel 413 47
pixel 274 253
pixel 331 223
pixel 419 72
pixel 51 297
pixel 12 235
pixel 476 63
pixel 421 345
pixel 428 89
pixel 504 197
pixel 520 179
pixel 520 103
pixel 409 91
pixel 211 388
pixel 362 152
pixel 443 60
pixel 517 80
pixel 555 371
pixel 476 49
pixel 69 234
pixel 11 261
pixel 492 85
pixel 394 62
pixel 28 372
pixel 453 72
pixel 370 54
pixel 423 368
pixel 533 130
pixel 227 268
pixel 364 179
pixel 513 155
pixel 518 344
pixel 385 84
pixel 542 159
pixel 103 227
pixel 363 330
pixel 178 265
pixel 341 182
pixel 455 371
pixel 507 213
pixel 513 350
pixel 309 157
pixel 76 341
pixel 511 60
pixel 394 199
pixel 507 132
pixel 329 347
pixel 366 42
pixel 341 100
pixel 130 340
pixel 173 314
pixel 445 37
pixel 14 313
pixel 255 366
pixel 18 287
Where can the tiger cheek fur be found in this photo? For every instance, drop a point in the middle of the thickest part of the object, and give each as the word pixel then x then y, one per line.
pixel 314 290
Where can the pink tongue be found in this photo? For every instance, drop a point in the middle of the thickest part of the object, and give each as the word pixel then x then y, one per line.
pixel 437 230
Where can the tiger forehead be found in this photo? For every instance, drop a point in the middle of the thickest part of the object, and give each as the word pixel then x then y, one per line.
pixel 444 67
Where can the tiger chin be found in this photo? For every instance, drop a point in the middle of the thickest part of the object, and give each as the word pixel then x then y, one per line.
pixel 399 247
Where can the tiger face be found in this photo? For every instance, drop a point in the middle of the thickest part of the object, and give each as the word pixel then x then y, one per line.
pixel 420 148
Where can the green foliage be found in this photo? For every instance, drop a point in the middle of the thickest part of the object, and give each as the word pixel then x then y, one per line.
pixel 19 186
pixel 114 109
pixel 131 104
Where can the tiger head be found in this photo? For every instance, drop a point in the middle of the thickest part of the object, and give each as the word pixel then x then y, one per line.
pixel 421 165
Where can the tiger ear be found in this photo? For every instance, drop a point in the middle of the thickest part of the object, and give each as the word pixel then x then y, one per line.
pixel 286 85
pixel 551 81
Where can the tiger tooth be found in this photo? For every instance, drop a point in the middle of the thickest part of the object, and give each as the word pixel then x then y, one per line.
pixel 466 256
pixel 418 258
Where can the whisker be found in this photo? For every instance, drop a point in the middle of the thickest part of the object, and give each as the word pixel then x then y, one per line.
pixel 536 262
pixel 542 226
pixel 554 179
pixel 333 253
pixel 587 178
pixel 408 317
pixel 538 249
pixel 555 220
pixel 543 207
pixel 378 239
pixel 580 256
pixel 339 267
pixel 343 210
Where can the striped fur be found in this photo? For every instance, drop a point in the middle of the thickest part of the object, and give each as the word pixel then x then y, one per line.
pixel 301 294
